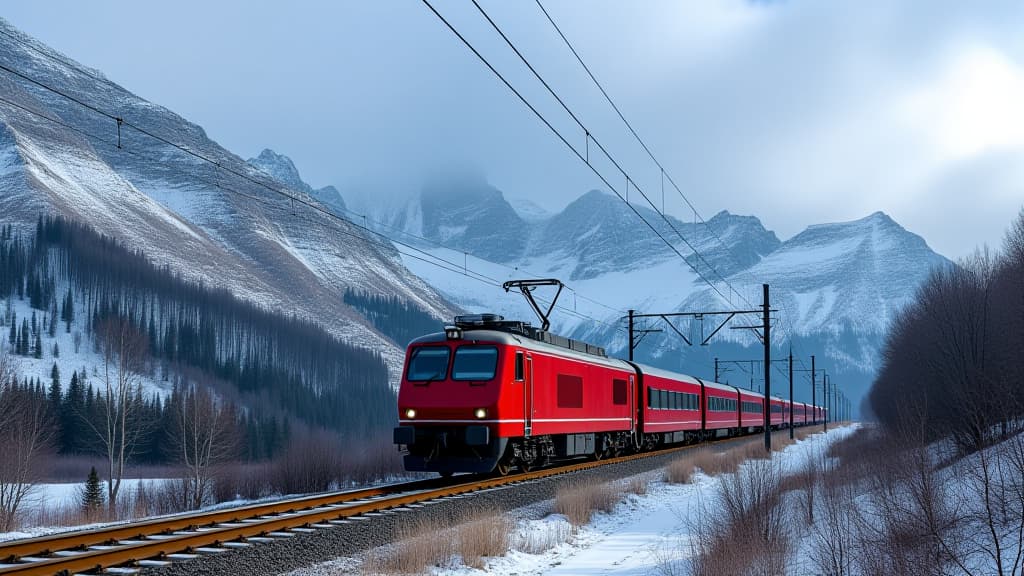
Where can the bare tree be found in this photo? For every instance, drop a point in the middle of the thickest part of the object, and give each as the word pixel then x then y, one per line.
pixel 26 432
pixel 120 428
pixel 204 438
pixel 996 514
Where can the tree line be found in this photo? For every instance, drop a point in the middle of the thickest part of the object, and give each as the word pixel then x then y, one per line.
pixel 276 365
pixel 953 362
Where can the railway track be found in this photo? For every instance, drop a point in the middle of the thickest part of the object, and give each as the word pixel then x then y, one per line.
pixel 129 548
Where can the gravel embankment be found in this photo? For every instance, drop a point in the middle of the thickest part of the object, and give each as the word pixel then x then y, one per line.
pixel 287 554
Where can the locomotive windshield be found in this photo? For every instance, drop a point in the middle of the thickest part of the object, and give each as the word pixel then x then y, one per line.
pixel 475 363
pixel 428 363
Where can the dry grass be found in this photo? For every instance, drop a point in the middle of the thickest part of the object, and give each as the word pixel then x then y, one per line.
pixel 417 546
pixel 487 534
pixel 804 432
pixel 579 501
pixel 420 545
pixel 540 541
pixel 680 470
pixel 637 485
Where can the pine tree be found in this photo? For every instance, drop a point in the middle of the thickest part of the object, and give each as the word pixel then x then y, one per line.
pixel 14 332
pixel 92 494
pixel 55 395
pixel 37 350
pixel 22 347
pixel 69 313
pixel 52 326
pixel 56 350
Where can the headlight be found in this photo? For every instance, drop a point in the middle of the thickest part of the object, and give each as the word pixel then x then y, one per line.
pixel 410 413
pixel 481 413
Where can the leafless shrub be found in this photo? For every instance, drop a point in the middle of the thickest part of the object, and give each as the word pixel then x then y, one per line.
pixel 311 463
pixel 579 501
pixel 833 538
pixel 747 531
pixel 237 480
pixel 995 515
pixel 805 483
pixel 26 433
pixel 908 526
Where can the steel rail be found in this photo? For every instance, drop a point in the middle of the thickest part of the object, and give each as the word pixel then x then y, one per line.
pixel 128 544
pixel 80 539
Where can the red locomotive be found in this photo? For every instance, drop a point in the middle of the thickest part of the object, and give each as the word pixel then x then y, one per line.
pixel 488 394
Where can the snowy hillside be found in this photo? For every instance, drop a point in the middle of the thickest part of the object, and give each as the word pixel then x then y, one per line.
pixel 836 286
pixel 199 218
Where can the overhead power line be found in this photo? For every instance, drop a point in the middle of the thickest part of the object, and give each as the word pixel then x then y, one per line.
pixel 86 72
pixel 664 173
pixel 422 255
pixel 574 150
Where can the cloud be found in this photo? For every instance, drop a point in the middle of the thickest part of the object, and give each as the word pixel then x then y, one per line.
pixel 798 111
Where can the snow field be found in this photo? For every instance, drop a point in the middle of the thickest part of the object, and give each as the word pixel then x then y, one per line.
pixel 649 528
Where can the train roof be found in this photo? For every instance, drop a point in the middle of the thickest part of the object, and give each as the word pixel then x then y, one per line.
pixel 666 373
pixel 515 339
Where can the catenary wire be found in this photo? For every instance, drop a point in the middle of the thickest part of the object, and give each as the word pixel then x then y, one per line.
pixel 423 256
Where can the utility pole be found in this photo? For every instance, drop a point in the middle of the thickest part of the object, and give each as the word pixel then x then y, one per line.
pixel 716 369
pixel 814 388
pixel 824 400
pixel 767 373
pixel 791 391
pixel 631 311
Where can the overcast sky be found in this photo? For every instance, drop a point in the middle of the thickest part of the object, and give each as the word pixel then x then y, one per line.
pixel 796 111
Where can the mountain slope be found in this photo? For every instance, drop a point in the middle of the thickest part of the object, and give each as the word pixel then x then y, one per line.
pixel 837 286
pixel 197 217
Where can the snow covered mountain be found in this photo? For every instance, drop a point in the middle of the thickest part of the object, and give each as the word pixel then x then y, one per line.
pixel 205 213
pixel 836 286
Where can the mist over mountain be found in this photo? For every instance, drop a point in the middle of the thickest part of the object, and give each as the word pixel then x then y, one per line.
pixel 837 286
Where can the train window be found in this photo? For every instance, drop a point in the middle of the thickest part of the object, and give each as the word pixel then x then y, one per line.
pixel 570 391
pixel 619 392
pixel 664 399
pixel 677 400
pixel 519 366
pixel 650 398
pixel 428 363
pixel 475 363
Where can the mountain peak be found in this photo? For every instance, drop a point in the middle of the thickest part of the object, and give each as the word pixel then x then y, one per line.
pixel 281 168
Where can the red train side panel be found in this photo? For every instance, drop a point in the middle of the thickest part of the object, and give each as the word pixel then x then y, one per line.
pixel 670 402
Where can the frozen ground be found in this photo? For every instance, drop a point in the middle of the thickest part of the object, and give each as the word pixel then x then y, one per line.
pixel 645 534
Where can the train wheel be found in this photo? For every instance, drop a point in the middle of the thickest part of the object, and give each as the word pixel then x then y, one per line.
pixel 525 466
pixel 503 468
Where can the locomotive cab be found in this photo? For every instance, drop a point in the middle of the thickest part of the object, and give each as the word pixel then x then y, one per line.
pixel 448 401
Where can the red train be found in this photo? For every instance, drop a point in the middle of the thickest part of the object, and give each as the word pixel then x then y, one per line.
pixel 488 394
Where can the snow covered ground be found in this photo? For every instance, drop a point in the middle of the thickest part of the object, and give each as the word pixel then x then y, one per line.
pixel 85 360
pixel 645 534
